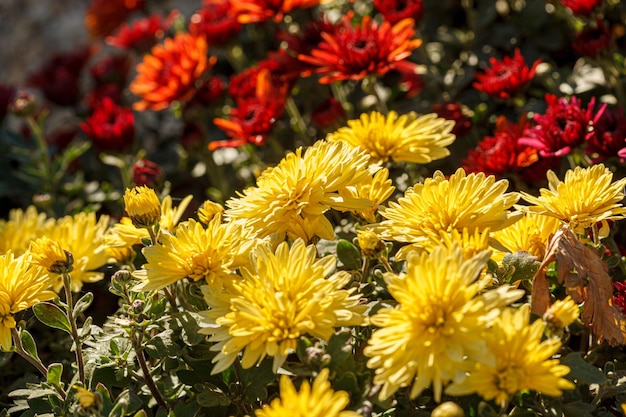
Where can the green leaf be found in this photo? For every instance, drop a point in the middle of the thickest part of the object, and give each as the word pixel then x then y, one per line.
pixel 162 345
pixel 349 255
pixel 581 371
pixel 83 304
pixel 55 372
pixel 578 409
pixel 188 323
pixel 213 396
pixel 28 343
pixel 52 316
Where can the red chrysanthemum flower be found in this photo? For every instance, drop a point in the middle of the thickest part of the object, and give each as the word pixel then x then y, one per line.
pixel 581 7
pixel 211 91
pixel 216 21
pixel 501 154
pixel 564 126
pixel 171 72
pixel 146 173
pixel 619 299
pixel 507 77
pixel 593 40
pixel 260 103
pixel 142 34
pixel 451 110
pixel 352 53
pixel 609 136
pixel 110 90
pixel 254 11
pixel 328 113
pixel 7 93
pixel 110 127
pixel 395 10
pixel 58 78
pixel 104 16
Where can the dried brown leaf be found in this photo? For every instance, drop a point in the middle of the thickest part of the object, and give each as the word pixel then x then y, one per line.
pixel 586 279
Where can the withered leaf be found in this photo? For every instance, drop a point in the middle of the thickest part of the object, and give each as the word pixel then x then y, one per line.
pixel 585 277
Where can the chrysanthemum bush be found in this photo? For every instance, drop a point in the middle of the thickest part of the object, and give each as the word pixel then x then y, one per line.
pixel 319 208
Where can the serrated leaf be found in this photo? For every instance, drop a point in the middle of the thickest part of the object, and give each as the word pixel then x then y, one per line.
pixel 52 316
pixel 188 323
pixel 28 343
pixel 82 304
pixel 581 370
pixel 55 372
pixel 213 396
pixel 349 255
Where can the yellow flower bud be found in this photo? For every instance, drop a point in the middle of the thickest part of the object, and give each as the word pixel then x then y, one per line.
pixel 50 255
pixel 369 242
pixel 448 409
pixel 562 313
pixel 142 206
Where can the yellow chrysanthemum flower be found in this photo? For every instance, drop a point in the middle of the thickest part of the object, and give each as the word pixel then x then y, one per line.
pixel 317 401
pixel 142 206
pixel 51 256
pixel 471 243
pixel 83 236
pixel 290 199
pixel 196 253
pixel 531 233
pixel 562 313
pixel 472 202
pixel 282 297
pixel 125 234
pixel 22 285
pixel 377 190
pixel 522 361
pixel 586 197
pixel 439 324
pixel 21 228
pixel 409 137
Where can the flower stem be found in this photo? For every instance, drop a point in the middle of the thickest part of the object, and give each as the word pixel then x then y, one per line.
pixel 147 377
pixel 70 317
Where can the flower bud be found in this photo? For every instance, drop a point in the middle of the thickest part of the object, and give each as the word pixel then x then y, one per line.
pixel 23 104
pixel 142 206
pixel 369 242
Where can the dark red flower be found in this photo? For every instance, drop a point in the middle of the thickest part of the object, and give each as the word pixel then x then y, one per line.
pixel 581 7
pixel 110 127
pixel 7 93
pixel 619 299
pixel 216 21
pixel 609 136
pixel 246 85
pixel 352 53
pixel 501 154
pixel 250 122
pixel 593 41
pixel 328 113
pixel 59 77
pixel 564 126
pixel 111 69
pixel 395 10
pixel 104 16
pixel 211 91
pixel 453 111
pixel 147 173
pixel 142 34
pixel 192 136
pixel 503 79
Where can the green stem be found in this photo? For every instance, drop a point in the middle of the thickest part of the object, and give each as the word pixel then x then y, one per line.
pixel 17 341
pixel 296 120
pixel 70 317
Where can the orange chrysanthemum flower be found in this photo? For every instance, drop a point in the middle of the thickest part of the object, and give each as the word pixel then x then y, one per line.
pixel 253 11
pixel 348 52
pixel 171 72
